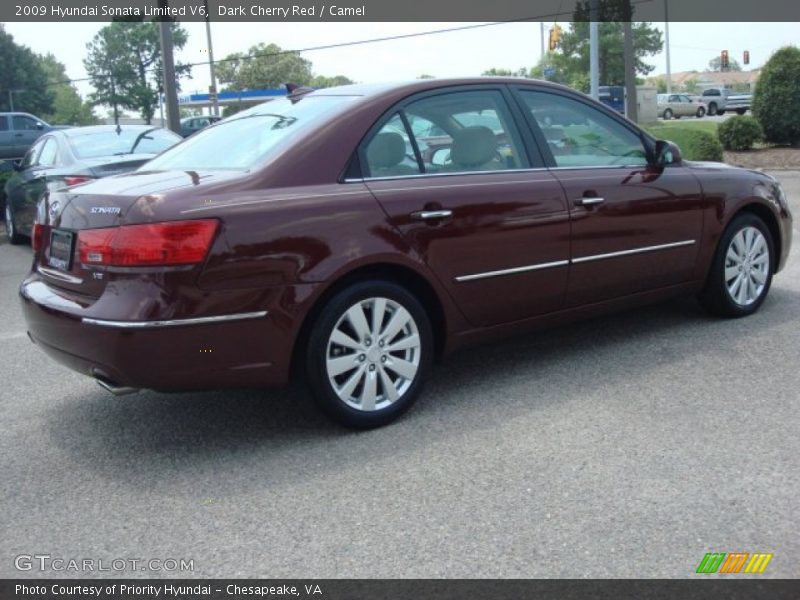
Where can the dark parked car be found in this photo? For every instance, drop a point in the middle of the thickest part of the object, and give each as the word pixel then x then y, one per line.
pixel 191 125
pixel 314 234
pixel 17 132
pixel 67 157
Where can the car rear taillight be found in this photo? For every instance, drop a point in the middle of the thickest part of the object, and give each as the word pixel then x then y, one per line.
pixel 37 237
pixel 71 180
pixel 168 243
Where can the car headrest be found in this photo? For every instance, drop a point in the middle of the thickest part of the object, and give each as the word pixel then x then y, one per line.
pixel 473 146
pixel 386 150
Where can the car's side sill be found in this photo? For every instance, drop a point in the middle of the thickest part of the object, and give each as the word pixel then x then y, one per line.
pixel 174 322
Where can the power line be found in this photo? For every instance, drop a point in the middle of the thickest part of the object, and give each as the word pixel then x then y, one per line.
pixel 357 42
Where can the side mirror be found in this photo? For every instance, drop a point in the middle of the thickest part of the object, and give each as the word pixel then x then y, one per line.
pixel 17 164
pixel 39 126
pixel 666 153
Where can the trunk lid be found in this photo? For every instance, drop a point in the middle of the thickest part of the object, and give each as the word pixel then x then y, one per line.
pixel 105 203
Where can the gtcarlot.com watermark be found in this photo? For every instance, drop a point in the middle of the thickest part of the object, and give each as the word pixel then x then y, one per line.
pixel 48 563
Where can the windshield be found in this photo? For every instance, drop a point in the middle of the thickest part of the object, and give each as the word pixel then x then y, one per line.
pixel 94 144
pixel 240 142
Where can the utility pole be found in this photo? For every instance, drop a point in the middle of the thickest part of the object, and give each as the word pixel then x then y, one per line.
pixel 11 99
pixel 631 109
pixel 212 91
pixel 170 83
pixel 594 52
pixel 666 39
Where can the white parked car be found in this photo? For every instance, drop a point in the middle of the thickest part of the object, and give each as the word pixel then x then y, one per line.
pixel 679 105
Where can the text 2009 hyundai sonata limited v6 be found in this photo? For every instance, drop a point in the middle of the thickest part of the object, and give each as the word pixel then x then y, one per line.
pixel 352 235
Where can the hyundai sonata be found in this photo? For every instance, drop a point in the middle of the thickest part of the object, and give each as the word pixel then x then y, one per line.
pixel 354 235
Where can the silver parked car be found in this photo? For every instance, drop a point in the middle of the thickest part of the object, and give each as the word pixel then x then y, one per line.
pixel 679 105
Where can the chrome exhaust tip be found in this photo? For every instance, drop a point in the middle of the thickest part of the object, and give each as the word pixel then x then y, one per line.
pixel 117 390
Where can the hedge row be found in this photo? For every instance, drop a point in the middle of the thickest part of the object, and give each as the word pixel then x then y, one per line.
pixel 694 144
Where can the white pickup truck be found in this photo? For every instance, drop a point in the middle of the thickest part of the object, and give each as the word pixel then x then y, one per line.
pixel 721 99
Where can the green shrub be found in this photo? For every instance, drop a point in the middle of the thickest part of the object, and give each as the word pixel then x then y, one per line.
pixel 695 144
pixel 776 101
pixel 740 133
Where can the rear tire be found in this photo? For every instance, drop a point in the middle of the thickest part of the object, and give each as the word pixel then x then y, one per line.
pixel 14 237
pixel 741 111
pixel 369 354
pixel 741 271
pixel 720 113
pixel 701 112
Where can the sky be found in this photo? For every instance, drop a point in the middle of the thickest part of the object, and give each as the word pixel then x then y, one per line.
pixel 455 53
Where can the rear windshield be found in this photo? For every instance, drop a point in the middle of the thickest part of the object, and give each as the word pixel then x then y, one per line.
pixel 244 140
pixel 96 144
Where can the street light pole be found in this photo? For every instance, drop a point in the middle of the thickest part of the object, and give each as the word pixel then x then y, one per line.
pixel 213 89
pixel 594 52
pixel 666 39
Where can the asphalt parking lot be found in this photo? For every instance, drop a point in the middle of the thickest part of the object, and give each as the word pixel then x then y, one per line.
pixel 627 446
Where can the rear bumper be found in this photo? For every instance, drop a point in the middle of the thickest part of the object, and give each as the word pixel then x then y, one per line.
pixel 247 348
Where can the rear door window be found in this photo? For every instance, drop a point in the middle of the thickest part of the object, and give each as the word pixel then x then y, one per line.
pixel 453 132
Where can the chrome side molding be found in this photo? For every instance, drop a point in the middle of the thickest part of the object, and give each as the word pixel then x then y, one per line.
pixel 581 259
pixel 174 322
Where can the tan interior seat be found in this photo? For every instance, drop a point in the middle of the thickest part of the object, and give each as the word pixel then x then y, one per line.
pixel 385 155
pixel 475 149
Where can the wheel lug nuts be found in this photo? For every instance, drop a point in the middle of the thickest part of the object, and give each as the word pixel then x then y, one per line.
pixel 362 358
pixel 368 342
pixel 381 343
pixel 383 359
pixel 372 367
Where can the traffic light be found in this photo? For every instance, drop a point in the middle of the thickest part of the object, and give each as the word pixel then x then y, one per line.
pixel 723 63
pixel 555 36
pixel 746 57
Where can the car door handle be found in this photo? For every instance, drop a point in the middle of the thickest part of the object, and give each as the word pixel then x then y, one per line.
pixel 431 214
pixel 589 201
pixel 17 135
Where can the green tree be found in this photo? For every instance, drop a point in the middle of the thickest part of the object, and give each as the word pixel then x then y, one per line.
pixel 68 107
pixel 125 66
pixel 776 101
pixel 570 60
pixel 690 85
pixel 263 66
pixel 425 76
pixel 715 64
pixel 495 72
pixel 21 73
pixel 661 85
pixel 320 81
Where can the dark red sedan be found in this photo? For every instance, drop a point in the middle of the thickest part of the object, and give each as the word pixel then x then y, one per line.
pixel 354 235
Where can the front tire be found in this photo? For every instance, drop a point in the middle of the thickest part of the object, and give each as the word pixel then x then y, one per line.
pixel 667 114
pixel 741 111
pixel 369 354
pixel 741 272
pixel 712 109
pixel 14 237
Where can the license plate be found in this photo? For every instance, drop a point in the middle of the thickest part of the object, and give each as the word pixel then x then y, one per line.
pixel 61 249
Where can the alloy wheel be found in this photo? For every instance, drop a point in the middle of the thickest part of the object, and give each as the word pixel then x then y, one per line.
pixel 373 354
pixel 747 264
